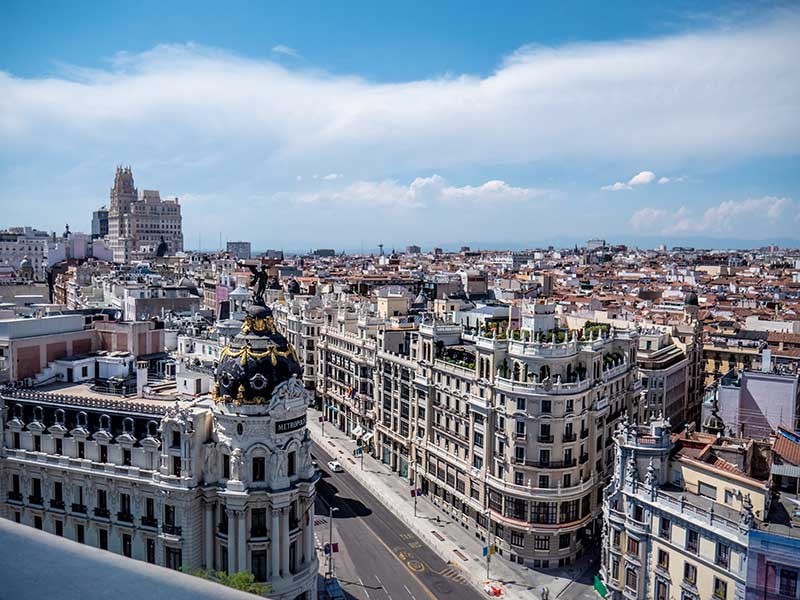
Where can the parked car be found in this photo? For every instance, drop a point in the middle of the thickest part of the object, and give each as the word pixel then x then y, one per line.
pixel 336 466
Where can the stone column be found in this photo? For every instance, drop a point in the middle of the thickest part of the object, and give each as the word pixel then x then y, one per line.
pixel 308 540
pixel 209 537
pixel 241 540
pixel 285 542
pixel 231 542
pixel 274 542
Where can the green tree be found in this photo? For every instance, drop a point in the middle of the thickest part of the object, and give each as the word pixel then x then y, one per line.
pixel 242 581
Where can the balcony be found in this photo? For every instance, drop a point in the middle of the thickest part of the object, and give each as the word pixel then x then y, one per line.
pixel 149 522
pixel 102 512
pixel 569 437
pixel 125 517
pixel 57 504
pixel 553 464
pixel 584 458
pixel 584 434
pixel 171 530
pixel 35 500
pixel 15 496
pixel 545 439
pixel 78 508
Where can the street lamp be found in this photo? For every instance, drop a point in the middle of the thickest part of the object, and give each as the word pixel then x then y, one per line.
pixel 332 509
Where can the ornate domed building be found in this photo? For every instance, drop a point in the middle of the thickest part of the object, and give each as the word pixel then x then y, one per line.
pixel 260 460
pixel 221 482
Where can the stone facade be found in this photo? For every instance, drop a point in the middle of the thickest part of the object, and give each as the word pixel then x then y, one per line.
pixel 220 483
pixel 141 226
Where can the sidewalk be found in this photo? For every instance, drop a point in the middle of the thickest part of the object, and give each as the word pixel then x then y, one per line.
pixel 447 537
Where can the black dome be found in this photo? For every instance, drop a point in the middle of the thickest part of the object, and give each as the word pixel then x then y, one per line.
pixel 256 361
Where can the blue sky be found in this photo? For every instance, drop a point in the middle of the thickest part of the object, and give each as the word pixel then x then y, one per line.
pixel 301 125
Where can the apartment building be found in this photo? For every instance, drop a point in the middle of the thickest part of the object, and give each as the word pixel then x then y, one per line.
pixel 347 349
pixel 508 433
pixel 300 319
pixel 679 511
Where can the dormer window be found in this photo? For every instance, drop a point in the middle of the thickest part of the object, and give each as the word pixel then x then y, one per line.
pixel 83 419
pixel 152 428
pixel 127 425
pixel 59 416
pixel 105 422
pixel 38 414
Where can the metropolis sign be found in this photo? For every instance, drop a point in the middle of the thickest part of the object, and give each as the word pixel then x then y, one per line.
pixel 290 425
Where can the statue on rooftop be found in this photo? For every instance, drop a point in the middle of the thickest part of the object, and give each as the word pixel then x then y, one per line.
pixel 258 283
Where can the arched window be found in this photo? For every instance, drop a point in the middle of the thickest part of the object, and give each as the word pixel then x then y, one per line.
pixel 544 372
pixel 38 414
pixel 18 411
pixel 83 419
pixel 105 422
pixel 127 425
pixel 152 428
pixel 59 416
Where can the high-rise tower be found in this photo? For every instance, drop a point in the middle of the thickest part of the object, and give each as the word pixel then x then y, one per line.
pixel 123 195
pixel 141 226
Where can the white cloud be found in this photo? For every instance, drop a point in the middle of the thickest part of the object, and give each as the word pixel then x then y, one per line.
pixel 642 178
pixel 616 187
pixel 592 100
pixel 741 218
pixel 421 192
pixel 285 50
pixel 664 180
pixel 333 176
pixel 644 218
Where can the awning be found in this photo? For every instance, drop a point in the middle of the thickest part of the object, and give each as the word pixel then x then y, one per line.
pixel 786 470
pixel 367 437
pixel 357 431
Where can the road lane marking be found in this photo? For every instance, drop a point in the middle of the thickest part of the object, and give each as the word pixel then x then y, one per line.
pixel 363 587
pixel 409 592
pixel 411 572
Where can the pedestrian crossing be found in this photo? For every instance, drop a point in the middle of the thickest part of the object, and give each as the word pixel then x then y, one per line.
pixel 453 574
pixel 320 521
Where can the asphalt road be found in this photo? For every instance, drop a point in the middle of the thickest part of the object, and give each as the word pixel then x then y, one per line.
pixel 381 558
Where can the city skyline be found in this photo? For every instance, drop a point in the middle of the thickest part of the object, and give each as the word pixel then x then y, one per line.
pixel 452 141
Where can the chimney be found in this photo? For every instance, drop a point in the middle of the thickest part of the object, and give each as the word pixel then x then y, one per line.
pixel 766 361
pixel 141 377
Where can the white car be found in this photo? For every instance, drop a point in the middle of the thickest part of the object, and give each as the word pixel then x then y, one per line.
pixel 336 466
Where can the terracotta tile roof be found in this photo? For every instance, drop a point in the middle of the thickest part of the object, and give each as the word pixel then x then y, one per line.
pixel 786 447
pixel 724 465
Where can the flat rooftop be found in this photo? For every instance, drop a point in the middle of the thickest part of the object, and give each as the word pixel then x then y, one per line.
pixel 35 565
pixel 83 390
